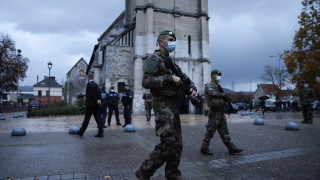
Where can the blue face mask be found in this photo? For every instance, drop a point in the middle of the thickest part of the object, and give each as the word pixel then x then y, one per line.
pixel 218 78
pixel 306 85
pixel 171 46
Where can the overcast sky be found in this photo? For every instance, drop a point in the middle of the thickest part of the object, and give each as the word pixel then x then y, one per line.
pixel 243 34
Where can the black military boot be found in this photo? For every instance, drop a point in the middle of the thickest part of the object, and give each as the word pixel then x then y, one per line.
pixel 206 151
pixel 234 150
pixel 140 175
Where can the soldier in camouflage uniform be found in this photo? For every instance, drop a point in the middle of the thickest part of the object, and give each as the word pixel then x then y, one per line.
pixel 215 98
pixel 147 96
pixel 164 87
pixel 306 100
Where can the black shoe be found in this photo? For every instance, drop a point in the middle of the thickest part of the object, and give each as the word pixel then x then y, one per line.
pixel 235 150
pixel 206 151
pixel 79 134
pixel 108 124
pixel 124 125
pixel 99 135
pixel 104 126
pixel 303 121
pixel 141 176
pixel 119 124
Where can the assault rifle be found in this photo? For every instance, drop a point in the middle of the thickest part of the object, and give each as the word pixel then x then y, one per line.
pixel 227 99
pixel 185 82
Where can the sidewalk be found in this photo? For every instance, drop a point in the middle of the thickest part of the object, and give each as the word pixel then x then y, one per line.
pixel 49 152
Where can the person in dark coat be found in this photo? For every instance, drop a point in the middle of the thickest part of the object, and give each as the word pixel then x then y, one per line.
pixel 93 104
pixel 126 100
pixel 263 105
pixel 113 101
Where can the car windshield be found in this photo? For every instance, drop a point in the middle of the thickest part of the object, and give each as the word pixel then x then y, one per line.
pixel 270 102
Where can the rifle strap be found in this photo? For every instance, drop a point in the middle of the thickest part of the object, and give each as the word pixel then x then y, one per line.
pixel 220 88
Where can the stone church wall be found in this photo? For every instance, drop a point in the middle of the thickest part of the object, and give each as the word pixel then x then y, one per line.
pixel 119 65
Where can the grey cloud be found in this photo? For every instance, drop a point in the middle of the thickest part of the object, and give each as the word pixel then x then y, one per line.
pixel 243 34
pixel 47 16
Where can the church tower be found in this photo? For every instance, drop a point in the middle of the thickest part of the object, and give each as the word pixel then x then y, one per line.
pixel 188 19
pixel 121 50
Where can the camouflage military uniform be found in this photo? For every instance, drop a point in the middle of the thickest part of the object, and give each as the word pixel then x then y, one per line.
pixel 147 104
pixel 217 120
pixel 159 80
pixel 306 100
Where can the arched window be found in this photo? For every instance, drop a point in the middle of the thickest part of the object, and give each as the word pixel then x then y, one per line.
pixel 81 73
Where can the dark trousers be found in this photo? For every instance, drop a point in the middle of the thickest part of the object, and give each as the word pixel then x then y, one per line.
pixel 95 110
pixel 127 114
pixel 307 112
pixel 148 108
pixel 116 112
pixel 103 114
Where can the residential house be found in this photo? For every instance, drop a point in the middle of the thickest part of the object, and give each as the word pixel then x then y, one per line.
pixel 76 81
pixel 41 90
pixel 269 90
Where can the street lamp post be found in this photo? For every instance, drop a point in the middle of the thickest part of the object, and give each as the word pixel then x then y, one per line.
pixel 18 78
pixel 49 67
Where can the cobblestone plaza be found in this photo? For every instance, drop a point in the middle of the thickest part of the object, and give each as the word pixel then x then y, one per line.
pixel 49 152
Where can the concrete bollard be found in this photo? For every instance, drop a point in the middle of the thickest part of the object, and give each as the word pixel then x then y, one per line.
pixel 15 116
pixel 129 128
pixel 2 117
pixel 292 126
pixel 258 121
pixel 74 130
pixel 18 131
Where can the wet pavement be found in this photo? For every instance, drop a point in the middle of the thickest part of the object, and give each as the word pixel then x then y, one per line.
pixel 49 152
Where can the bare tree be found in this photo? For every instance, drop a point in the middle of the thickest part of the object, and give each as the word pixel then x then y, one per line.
pixel 276 76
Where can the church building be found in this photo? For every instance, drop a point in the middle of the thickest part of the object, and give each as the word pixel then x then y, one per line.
pixel 121 50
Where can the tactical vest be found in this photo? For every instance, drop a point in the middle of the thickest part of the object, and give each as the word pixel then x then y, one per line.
pixel 169 89
pixel 214 103
pixel 113 97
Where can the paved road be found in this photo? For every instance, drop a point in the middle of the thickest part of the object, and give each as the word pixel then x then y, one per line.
pixel 49 152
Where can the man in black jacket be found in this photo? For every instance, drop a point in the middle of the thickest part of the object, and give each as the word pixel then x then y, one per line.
pixel 93 103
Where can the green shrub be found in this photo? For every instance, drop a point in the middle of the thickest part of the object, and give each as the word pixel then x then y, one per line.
pixel 58 109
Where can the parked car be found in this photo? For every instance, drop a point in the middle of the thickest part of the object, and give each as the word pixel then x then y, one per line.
pixel 33 105
pixel 270 105
pixel 242 106
pixel 235 108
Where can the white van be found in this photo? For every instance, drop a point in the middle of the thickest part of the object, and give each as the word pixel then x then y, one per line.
pixel 270 105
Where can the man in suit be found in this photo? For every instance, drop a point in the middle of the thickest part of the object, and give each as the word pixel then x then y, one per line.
pixel 93 103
